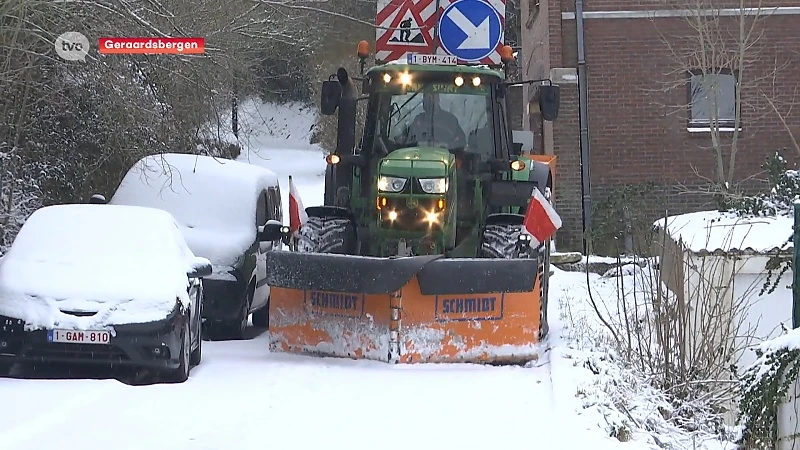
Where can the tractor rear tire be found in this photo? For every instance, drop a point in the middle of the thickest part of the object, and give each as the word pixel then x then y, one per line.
pixel 325 235
pixel 500 242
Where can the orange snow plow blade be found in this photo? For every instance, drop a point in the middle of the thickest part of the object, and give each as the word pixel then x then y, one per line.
pixel 404 310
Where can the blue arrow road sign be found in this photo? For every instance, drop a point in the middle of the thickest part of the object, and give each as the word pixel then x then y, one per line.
pixel 470 29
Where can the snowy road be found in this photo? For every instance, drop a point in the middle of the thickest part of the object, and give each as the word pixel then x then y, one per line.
pixel 243 397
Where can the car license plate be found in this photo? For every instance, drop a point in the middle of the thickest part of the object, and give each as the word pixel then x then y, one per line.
pixel 79 336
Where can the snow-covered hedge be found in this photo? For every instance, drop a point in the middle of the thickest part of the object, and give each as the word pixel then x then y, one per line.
pixel 765 386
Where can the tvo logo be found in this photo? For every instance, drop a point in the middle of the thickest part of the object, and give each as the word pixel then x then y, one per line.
pixel 72 46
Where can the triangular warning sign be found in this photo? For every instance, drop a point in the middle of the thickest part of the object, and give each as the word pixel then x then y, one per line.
pixel 407 28
pixel 410 32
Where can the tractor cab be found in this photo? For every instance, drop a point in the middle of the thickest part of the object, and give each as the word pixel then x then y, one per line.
pixel 437 132
pixel 435 150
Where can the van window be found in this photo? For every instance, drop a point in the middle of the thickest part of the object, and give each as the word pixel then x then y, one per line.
pixel 261 209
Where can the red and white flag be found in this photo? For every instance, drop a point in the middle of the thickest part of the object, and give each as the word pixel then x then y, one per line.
pixel 541 220
pixel 297 213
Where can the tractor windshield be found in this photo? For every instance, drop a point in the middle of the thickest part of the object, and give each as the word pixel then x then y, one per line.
pixel 438 115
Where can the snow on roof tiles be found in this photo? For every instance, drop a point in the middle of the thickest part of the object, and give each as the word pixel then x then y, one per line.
pixel 726 232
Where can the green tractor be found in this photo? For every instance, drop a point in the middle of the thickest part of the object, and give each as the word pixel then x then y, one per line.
pixel 420 239
pixel 436 171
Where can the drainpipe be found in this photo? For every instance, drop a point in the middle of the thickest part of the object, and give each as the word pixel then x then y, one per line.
pixel 795 264
pixel 583 100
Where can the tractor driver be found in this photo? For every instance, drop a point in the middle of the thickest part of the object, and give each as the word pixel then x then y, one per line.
pixel 436 124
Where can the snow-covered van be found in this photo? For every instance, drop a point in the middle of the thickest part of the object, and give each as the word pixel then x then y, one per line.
pixel 100 284
pixel 220 206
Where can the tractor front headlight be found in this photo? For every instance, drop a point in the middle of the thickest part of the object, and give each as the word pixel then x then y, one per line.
pixel 434 185
pixel 391 184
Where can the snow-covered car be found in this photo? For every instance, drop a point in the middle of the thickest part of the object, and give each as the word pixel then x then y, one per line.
pixel 102 284
pixel 221 207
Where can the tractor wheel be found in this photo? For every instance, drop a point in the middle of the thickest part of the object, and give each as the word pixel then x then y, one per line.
pixel 500 242
pixel 325 235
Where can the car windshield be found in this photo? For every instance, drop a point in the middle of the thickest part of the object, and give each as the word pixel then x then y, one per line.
pixel 438 114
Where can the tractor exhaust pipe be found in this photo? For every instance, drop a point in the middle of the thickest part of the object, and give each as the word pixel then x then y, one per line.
pixel 346 128
pixel 345 140
pixel 340 94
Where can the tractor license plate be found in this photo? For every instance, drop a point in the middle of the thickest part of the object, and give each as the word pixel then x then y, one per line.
pixel 441 60
pixel 79 336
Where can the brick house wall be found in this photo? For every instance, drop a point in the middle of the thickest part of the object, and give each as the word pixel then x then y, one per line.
pixel 638 93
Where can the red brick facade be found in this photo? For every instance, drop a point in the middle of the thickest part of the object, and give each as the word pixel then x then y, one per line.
pixel 638 93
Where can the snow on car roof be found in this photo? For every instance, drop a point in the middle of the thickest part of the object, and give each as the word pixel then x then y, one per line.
pixel 57 233
pixel 132 261
pixel 715 231
pixel 213 199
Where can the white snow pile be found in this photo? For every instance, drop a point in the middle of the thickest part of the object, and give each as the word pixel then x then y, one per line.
pixel 770 357
pixel 788 341
pixel 270 125
pixel 727 231
pixel 213 200
pixel 607 259
pixel 128 264
pixel 612 394
pixel 277 137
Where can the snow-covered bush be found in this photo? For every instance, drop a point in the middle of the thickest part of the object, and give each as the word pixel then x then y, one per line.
pixel 765 386
pixel 69 129
pixel 19 194
pixel 621 387
pixel 685 346
pixel 783 189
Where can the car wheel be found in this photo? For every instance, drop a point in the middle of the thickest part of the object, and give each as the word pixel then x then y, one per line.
pixel 261 317
pixel 197 354
pixel 181 373
pixel 6 368
pixel 233 329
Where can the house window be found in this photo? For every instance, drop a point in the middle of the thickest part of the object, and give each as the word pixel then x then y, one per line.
pixel 709 92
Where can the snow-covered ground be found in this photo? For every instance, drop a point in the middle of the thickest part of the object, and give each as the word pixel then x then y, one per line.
pixel 243 397
pixel 277 137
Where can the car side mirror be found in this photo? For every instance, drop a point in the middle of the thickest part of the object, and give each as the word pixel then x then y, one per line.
pixel 272 231
pixel 98 199
pixel 201 267
pixel 549 102
pixel 331 93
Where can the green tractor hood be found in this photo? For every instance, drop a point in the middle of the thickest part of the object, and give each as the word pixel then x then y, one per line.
pixel 420 162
